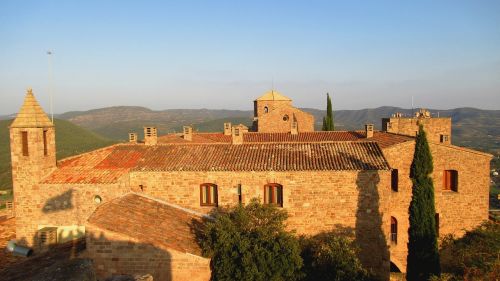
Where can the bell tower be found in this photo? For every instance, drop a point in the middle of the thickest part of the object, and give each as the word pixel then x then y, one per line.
pixel 33 154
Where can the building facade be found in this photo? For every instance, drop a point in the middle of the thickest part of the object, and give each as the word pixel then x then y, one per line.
pixel 132 201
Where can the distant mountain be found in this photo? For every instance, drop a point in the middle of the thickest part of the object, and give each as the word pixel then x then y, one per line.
pixel 70 140
pixel 471 127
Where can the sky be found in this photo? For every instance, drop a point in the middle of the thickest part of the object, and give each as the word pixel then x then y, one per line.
pixel 224 54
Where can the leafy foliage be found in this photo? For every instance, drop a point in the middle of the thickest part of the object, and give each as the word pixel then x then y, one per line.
pixel 331 257
pixel 328 123
pixel 475 256
pixel 250 243
pixel 423 255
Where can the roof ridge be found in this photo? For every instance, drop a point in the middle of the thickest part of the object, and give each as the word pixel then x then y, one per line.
pixel 466 149
pixel 193 212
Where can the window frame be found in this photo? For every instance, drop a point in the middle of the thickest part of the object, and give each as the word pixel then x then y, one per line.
pixel 450 180
pixel 276 196
pixel 394 230
pixel 209 187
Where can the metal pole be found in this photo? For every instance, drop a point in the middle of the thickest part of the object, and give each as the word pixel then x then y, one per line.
pixel 51 79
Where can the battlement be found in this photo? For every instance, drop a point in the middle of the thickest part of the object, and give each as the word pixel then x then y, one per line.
pixel 438 129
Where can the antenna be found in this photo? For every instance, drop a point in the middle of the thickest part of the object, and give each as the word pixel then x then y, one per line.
pixel 51 81
pixel 272 84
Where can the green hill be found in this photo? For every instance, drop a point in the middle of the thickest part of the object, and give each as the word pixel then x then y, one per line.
pixel 70 140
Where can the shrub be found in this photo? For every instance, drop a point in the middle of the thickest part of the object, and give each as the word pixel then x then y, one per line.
pixel 329 256
pixel 250 243
pixel 475 256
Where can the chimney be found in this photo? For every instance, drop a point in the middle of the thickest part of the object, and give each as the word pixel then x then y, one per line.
pixel 294 126
pixel 369 130
pixel 187 133
pixel 237 135
pixel 227 129
pixel 150 136
pixel 132 137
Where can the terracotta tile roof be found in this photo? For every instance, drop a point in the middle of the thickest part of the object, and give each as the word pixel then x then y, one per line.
pixel 149 221
pixel 100 166
pixel 31 114
pixel 197 138
pixel 262 157
pixel 273 96
pixel 382 138
pixel 109 164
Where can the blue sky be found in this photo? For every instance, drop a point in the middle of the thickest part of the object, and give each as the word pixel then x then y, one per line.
pixel 224 54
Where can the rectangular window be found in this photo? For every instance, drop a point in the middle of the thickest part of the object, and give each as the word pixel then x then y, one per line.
pixel 273 194
pixel 450 180
pixel 24 138
pixel 394 180
pixel 45 152
pixel 208 194
pixel 444 138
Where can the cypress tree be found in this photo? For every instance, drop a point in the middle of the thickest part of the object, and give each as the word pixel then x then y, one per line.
pixel 423 255
pixel 328 124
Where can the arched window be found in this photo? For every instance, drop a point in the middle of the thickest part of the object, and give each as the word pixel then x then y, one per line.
pixel 273 194
pixel 266 110
pixel 394 230
pixel 208 194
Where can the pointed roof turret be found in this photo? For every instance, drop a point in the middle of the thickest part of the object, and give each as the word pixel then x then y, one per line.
pixel 273 96
pixel 31 114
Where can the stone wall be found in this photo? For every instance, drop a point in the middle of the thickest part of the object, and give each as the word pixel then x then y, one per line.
pixel 115 254
pixel 316 201
pixel 434 127
pixel 63 205
pixel 274 120
pixel 458 211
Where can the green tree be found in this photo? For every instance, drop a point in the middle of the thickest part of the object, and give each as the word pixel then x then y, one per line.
pixel 328 123
pixel 423 255
pixel 250 243
pixel 331 257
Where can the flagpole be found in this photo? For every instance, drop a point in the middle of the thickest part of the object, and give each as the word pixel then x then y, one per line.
pixel 51 78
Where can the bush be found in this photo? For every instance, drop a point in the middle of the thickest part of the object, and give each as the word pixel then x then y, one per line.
pixel 328 256
pixel 250 243
pixel 475 256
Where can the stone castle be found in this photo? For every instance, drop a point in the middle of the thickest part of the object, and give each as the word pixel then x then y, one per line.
pixel 135 202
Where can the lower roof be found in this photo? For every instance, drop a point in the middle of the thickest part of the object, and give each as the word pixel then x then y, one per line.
pixel 149 221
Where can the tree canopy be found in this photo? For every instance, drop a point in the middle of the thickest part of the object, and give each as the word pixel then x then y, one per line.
pixel 423 255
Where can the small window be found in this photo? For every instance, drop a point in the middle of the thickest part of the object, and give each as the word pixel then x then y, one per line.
pixel 394 230
pixel 273 194
pixel 285 118
pixel 266 110
pixel 394 180
pixel 444 138
pixel 24 137
pixel 45 152
pixel 208 194
pixel 436 219
pixel 450 180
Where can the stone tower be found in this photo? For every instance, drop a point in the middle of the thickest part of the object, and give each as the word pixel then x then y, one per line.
pixel 274 112
pixel 33 155
pixel 438 129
